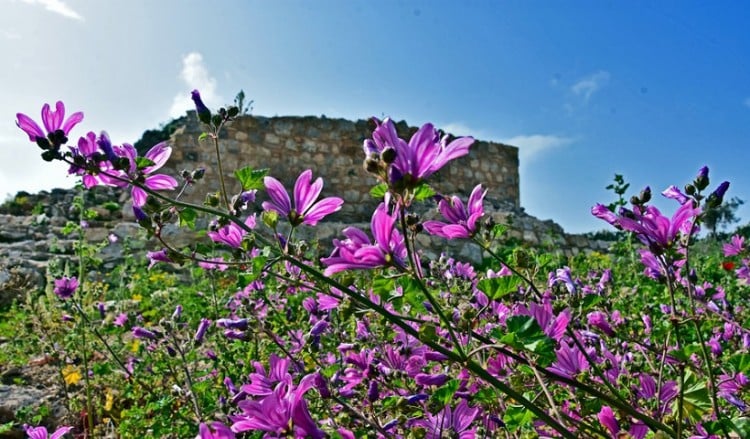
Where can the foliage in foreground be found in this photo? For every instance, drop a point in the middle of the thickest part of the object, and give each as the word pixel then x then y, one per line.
pixel 263 337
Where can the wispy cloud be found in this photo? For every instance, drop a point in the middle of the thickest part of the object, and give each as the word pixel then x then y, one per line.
pixel 195 75
pixel 586 87
pixel 533 145
pixel 58 7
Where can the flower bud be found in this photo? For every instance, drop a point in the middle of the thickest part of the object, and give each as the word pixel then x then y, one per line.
pixel 201 332
pixel 198 174
pixel 388 155
pixel 717 196
pixel 701 180
pixel 204 114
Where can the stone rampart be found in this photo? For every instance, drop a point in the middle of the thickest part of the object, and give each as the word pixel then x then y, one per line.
pixel 332 148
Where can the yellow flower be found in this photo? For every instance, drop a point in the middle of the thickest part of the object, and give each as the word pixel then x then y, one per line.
pixel 71 374
pixel 109 401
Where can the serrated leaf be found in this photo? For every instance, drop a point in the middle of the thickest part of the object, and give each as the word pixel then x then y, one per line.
pixel 498 287
pixel 444 395
pixel 525 333
pixel 251 178
pixel 187 218
pixel 423 192
pixel 741 362
pixel 379 190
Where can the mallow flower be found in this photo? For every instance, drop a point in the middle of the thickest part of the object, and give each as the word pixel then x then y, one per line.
pixel 232 234
pixel 462 219
pixel 65 287
pixel 158 155
pixel 53 121
pixel 358 252
pixel 424 155
pixel 41 432
pixel 306 210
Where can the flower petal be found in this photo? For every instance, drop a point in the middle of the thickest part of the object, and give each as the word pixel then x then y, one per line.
pixel 279 197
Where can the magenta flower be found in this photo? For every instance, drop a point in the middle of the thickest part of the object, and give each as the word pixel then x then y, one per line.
pixel 158 154
pixel 53 121
pixel 65 287
pixel 735 247
pixel 358 252
pixel 305 210
pixel 282 412
pixel 450 422
pixel 157 256
pixel 607 419
pixel 674 193
pixel 217 430
pixel 232 234
pixel 41 432
pixel 424 155
pixel 462 223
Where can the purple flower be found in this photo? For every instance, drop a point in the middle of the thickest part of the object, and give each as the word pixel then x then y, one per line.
pixel 157 256
pixel 139 332
pixel 674 193
pixel 424 379
pixel 232 234
pixel 41 432
pixel 217 430
pixel 65 287
pixel 201 331
pixel 600 320
pixel 570 362
pixel 213 264
pixel 282 412
pixel 461 223
pixel 454 422
pixel 735 247
pixel 52 120
pixel 607 419
pixel 158 154
pixel 424 155
pixel 120 319
pixel 358 252
pixel 305 210
pixel 602 212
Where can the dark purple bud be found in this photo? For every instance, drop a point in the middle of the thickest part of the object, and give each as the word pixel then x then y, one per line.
pixel 201 332
pixel 319 328
pixel 239 396
pixel 390 424
pixel 106 146
pixel 140 215
pixel 198 174
pixel 177 312
pixel 322 386
pixel 372 391
pixel 413 399
pixel 701 180
pixel 424 379
pixel 240 324
pixel 102 308
pixel 171 352
pixel 200 107
pixel 67 318
pixel 717 196
pixel 139 332
pixel 211 355
pixel 230 385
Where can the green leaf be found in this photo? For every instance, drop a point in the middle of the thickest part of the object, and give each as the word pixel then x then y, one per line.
pixel 423 192
pixel 383 287
pixel 741 362
pixel 517 417
pixel 697 401
pixel 187 218
pixel 203 136
pixel 525 333
pixel 590 300
pixel 251 178
pixel 444 395
pixel 143 162
pixel 379 191
pixel 498 230
pixel 498 287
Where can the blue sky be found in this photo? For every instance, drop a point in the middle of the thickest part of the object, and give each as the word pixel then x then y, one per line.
pixel 586 89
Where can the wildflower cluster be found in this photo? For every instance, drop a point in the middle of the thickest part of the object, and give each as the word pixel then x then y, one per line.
pixel 377 339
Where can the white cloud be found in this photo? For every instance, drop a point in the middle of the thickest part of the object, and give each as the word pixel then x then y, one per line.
pixel 58 7
pixel 533 145
pixel 746 102
pixel 461 129
pixel 195 75
pixel 589 85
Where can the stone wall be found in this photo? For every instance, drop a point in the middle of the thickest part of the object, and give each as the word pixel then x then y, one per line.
pixel 332 148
